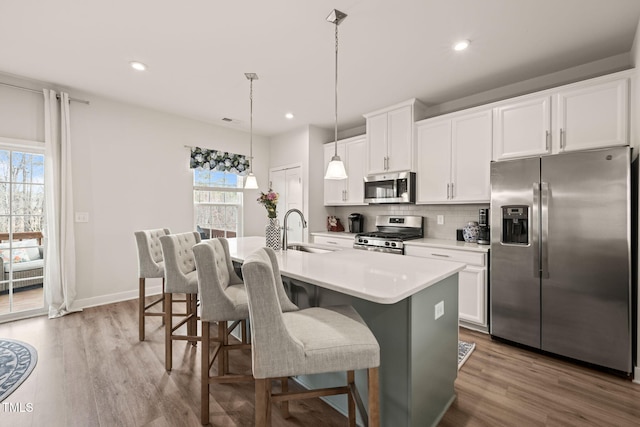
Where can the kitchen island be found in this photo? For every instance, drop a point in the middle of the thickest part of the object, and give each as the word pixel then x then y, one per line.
pixel 411 306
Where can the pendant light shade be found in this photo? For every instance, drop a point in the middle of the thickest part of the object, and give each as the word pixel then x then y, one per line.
pixel 335 169
pixel 251 183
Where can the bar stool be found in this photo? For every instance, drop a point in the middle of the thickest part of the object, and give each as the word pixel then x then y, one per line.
pixel 180 278
pixel 223 298
pixel 288 342
pixel 150 266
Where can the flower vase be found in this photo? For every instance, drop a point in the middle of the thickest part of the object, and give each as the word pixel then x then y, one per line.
pixel 272 234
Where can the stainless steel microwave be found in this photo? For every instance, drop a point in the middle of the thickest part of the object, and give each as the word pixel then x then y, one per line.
pixel 399 187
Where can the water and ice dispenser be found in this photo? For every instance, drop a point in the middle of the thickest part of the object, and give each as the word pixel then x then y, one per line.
pixel 515 225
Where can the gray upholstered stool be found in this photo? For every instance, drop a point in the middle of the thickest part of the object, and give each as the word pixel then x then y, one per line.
pixel 223 298
pixel 288 341
pixel 150 266
pixel 180 278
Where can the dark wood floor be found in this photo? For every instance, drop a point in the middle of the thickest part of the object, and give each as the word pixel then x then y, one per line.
pixel 93 371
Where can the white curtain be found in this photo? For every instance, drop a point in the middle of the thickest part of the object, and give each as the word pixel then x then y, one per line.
pixel 60 252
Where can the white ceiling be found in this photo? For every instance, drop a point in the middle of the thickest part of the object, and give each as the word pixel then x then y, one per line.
pixel 198 51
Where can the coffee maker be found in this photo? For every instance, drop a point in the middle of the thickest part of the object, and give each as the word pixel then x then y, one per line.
pixel 356 223
pixel 484 231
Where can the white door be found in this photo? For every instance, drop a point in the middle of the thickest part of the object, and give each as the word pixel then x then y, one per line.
pixel 288 184
pixel 21 225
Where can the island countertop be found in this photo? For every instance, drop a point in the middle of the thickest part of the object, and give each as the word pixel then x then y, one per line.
pixel 373 276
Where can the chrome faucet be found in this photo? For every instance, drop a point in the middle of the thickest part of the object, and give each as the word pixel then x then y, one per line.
pixel 285 240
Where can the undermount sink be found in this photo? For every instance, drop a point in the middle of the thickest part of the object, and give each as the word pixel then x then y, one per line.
pixel 310 249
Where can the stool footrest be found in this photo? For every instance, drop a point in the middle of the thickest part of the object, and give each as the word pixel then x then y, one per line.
pixel 308 394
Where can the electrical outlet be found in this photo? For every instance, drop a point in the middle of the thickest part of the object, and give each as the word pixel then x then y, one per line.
pixel 82 216
pixel 440 219
pixel 439 309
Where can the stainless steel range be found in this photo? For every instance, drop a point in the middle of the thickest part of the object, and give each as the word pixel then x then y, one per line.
pixel 392 231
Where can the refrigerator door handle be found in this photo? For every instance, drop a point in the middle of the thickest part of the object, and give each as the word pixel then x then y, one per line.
pixel 533 226
pixel 544 229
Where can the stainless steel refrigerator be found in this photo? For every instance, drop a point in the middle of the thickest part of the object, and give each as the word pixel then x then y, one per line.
pixel 560 259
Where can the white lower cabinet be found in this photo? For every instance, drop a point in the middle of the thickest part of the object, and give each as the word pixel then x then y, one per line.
pixel 338 241
pixel 472 282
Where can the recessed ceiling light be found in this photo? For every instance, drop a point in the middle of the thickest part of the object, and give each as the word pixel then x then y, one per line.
pixel 139 66
pixel 289 116
pixel 461 45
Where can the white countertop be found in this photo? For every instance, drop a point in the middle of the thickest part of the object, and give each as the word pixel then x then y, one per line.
pixel 338 234
pixel 374 276
pixel 448 244
pixel 430 242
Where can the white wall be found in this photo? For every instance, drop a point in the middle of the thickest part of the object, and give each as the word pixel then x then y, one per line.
pixel 130 171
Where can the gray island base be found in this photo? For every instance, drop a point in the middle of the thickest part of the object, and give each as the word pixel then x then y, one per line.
pixel 418 363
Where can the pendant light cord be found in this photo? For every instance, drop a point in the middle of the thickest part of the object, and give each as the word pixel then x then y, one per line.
pixel 251 125
pixel 336 98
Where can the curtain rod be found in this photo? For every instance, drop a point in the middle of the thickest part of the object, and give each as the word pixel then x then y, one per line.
pixel 40 92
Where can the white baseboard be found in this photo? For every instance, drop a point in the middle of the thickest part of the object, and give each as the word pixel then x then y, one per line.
pixel 111 298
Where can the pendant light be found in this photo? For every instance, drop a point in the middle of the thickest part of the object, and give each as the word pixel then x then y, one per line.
pixel 251 182
pixel 336 169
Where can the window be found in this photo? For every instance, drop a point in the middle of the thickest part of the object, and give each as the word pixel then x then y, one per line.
pixel 21 223
pixel 217 199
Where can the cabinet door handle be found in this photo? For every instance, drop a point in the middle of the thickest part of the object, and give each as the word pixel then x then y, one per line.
pixel 332 243
pixel 547 137
pixel 562 137
pixel 448 185
pixel 441 255
pixel 346 197
pixel 452 196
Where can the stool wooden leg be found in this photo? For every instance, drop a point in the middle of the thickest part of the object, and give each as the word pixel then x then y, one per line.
pixel 163 301
pixel 192 323
pixel 141 300
pixel 243 325
pixel 351 403
pixel 168 325
pixel 284 405
pixel 263 402
pixel 222 354
pixel 204 374
pixel 374 397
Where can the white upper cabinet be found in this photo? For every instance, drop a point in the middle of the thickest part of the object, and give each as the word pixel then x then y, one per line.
pixel 592 116
pixel 389 145
pixel 580 116
pixel 433 171
pixel 522 128
pixel 453 158
pixel 348 191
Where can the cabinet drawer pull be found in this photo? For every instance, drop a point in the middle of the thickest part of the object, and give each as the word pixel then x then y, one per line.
pixel 332 243
pixel 441 255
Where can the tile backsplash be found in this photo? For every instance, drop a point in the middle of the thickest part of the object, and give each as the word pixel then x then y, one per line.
pixel 455 216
